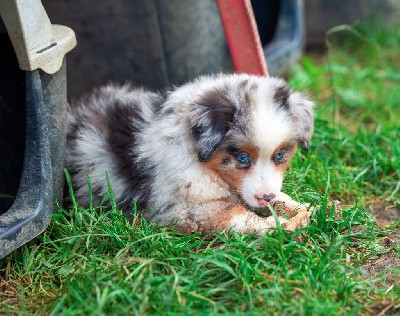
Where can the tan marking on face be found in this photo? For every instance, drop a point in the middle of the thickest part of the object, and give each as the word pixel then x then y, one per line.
pixel 228 173
pixel 289 149
pixel 252 150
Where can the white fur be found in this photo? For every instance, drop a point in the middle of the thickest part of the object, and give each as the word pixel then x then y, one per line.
pixel 265 179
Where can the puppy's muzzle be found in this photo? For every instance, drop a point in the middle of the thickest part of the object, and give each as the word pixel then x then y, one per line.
pixel 268 197
pixel 265 199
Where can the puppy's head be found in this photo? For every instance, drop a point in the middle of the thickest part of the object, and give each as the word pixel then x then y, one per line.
pixel 246 129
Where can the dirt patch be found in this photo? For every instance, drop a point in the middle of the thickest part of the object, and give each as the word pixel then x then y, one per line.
pixel 386 266
pixel 384 212
pixel 388 307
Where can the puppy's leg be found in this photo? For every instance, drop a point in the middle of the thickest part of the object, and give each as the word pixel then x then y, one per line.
pixel 247 222
pixel 211 218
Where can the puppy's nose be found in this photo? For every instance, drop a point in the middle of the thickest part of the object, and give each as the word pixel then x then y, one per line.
pixel 268 197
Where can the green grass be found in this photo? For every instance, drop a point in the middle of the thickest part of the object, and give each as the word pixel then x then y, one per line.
pixel 355 146
pixel 94 262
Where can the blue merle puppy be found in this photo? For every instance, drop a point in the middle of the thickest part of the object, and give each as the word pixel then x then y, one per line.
pixel 203 156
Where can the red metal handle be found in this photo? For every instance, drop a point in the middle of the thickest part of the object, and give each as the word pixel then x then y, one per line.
pixel 242 36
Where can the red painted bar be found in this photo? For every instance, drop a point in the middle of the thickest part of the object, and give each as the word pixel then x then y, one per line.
pixel 242 36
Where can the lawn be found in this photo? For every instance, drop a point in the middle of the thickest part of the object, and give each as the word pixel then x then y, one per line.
pixel 345 262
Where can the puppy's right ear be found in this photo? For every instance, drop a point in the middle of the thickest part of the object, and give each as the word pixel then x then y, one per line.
pixel 210 121
pixel 302 110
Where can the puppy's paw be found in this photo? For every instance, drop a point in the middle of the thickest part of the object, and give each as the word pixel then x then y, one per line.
pixel 281 208
pixel 298 221
pixel 284 204
pixel 269 223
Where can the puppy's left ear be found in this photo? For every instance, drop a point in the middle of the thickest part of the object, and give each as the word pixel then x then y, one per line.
pixel 302 109
pixel 210 121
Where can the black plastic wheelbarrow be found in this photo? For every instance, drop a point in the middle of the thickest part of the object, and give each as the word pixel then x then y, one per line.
pixel 33 107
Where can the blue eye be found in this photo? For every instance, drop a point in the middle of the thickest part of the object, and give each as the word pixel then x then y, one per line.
pixel 243 158
pixel 279 155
